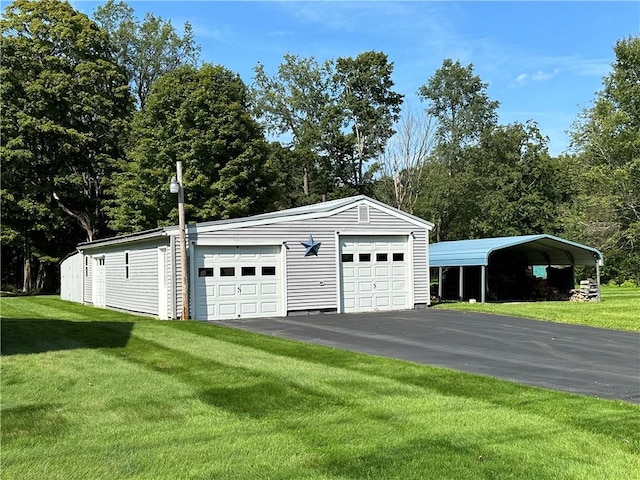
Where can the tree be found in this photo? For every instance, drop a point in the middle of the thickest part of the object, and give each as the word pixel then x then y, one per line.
pixel 145 50
pixel 606 138
pixel 65 106
pixel 201 117
pixel 404 159
pixel 370 108
pixel 296 102
pixel 515 187
pixel 338 116
pixel 458 100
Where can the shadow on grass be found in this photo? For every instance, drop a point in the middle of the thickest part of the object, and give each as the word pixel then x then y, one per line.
pixel 24 336
pixel 268 397
pixel 32 420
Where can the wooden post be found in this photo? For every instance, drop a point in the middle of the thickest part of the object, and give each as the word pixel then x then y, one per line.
pixel 183 244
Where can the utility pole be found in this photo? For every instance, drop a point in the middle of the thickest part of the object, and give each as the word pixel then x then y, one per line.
pixel 177 187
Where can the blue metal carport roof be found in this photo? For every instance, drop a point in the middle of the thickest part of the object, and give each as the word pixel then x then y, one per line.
pixel 539 250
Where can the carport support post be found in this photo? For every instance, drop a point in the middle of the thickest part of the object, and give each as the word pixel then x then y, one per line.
pixel 483 283
pixel 598 277
pixel 461 283
pixel 439 283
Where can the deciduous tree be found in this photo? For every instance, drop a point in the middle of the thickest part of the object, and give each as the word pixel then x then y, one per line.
pixel 65 106
pixel 145 49
pixel 201 117
pixel 458 100
pixel 607 140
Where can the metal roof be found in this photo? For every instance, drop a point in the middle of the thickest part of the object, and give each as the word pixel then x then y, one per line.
pixel 307 211
pixel 539 250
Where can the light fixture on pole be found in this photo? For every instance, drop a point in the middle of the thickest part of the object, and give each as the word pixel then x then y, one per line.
pixel 176 186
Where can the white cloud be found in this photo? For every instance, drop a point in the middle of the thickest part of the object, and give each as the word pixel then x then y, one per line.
pixel 537 76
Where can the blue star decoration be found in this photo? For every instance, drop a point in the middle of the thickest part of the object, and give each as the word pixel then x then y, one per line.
pixel 312 246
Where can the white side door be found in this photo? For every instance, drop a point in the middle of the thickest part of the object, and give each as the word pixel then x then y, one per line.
pixel 99 281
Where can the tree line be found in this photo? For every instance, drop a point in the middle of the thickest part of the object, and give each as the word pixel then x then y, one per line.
pixel 96 111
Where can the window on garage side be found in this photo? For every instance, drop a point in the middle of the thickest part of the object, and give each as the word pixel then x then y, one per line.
pixel 268 271
pixel 126 265
pixel 86 266
pixel 227 271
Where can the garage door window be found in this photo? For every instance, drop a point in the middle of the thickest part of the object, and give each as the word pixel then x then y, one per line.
pixel 248 271
pixel 227 271
pixel 205 272
pixel 374 273
pixel 268 271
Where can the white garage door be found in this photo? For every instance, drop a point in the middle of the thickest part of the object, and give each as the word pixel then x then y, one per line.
pixel 375 273
pixel 238 282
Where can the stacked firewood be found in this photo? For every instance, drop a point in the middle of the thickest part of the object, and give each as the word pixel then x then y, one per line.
pixel 587 292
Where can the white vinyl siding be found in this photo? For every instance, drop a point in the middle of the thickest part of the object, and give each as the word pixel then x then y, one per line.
pixel 311 282
pixel 139 292
pixel 72 271
pixel 307 283
pixel 88 280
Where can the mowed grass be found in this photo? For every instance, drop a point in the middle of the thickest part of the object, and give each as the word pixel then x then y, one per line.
pixel 619 309
pixel 95 394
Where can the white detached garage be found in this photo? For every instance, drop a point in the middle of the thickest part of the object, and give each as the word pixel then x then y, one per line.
pixel 349 255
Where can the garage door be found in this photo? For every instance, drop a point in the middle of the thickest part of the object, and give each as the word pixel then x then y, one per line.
pixel 375 273
pixel 238 282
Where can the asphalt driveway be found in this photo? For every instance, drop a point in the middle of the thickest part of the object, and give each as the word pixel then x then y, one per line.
pixel 585 360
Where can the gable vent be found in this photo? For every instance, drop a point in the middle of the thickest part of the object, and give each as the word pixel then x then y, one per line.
pixel 363 214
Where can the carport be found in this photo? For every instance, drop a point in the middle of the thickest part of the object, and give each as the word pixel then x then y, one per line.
pixel 535 250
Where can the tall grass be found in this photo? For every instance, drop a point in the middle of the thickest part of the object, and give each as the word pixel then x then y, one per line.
pixel 93 394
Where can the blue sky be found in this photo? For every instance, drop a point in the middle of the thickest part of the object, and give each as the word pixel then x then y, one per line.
pixel 542 60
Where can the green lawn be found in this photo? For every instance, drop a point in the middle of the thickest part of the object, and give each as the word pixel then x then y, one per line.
pixel 96 394
pixel 619 309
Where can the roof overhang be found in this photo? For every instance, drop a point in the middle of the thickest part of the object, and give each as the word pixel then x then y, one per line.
pixel 538 249
pixel 318 210
pixel 129 238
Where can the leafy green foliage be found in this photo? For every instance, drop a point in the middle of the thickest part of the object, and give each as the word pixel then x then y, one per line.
pixel 201 117
pixel 338 115
pixel 145 50
pixel 606 211
pixel 65 106
pixel 370 109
